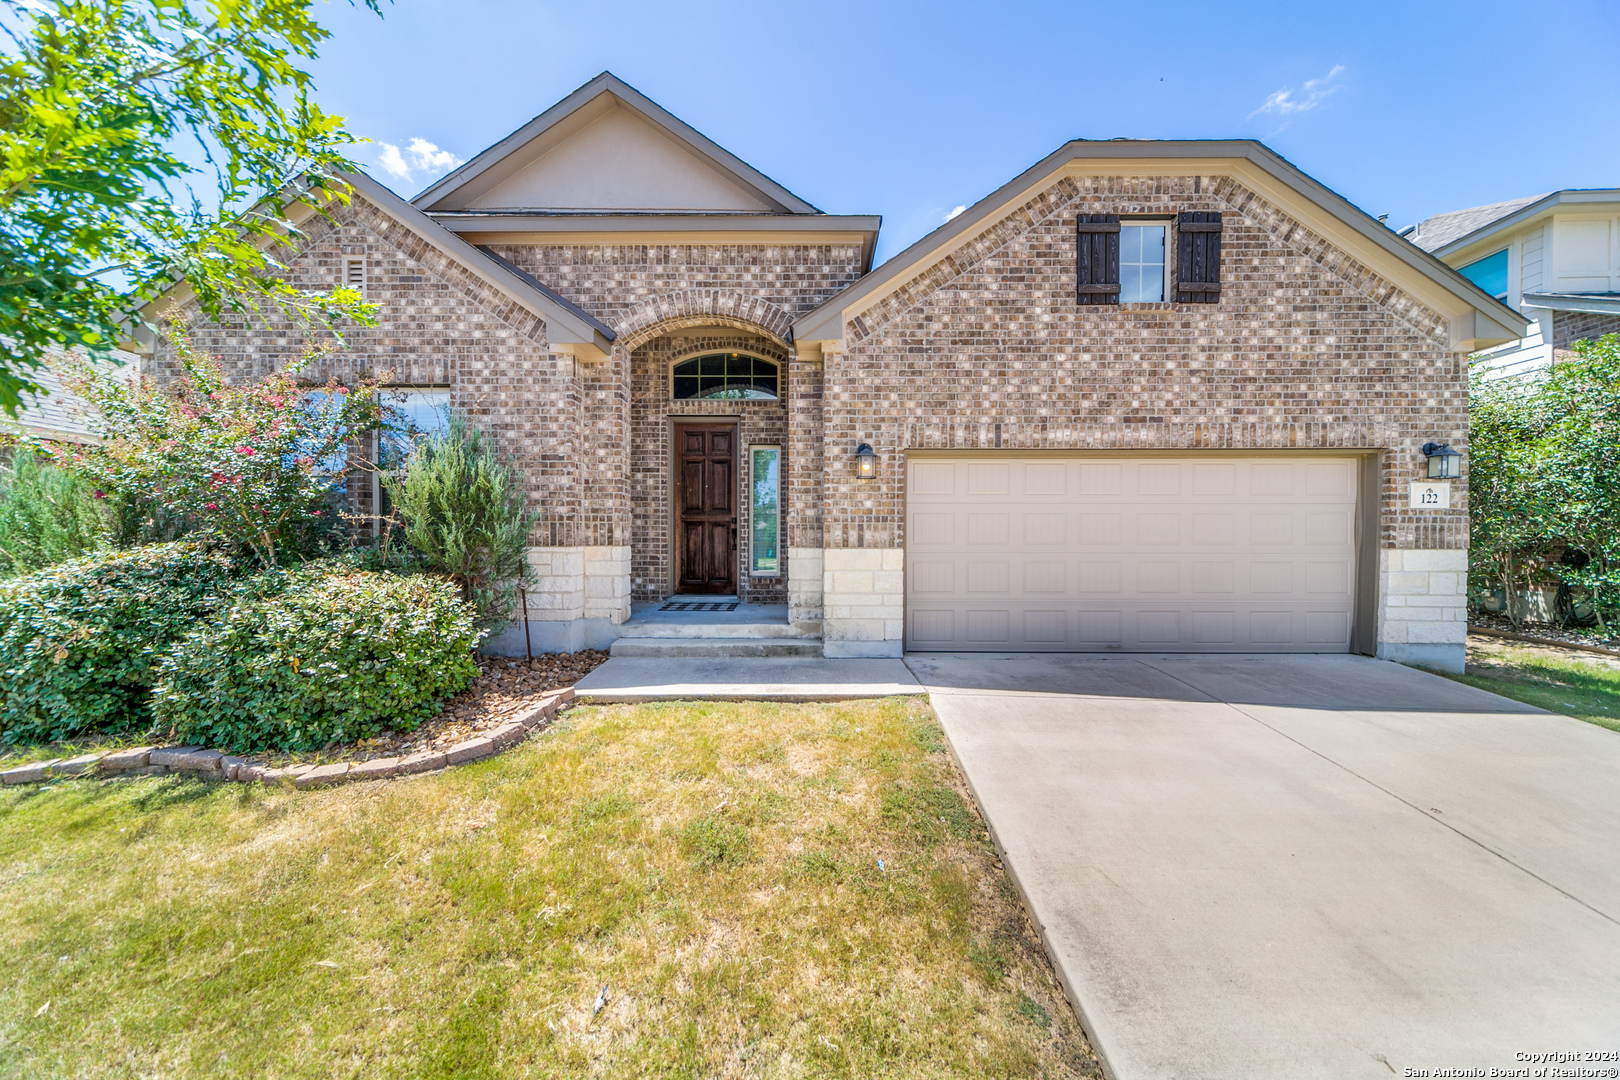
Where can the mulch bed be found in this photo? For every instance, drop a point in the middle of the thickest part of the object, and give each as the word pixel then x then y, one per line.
pixel 1550 633
pixel 506 690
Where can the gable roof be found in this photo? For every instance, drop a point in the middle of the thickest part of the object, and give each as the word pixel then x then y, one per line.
pixel 566 323
pixel 461 189
pixel 1443 234
pixel 1476 319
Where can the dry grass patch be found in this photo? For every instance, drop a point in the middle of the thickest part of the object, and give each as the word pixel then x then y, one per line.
pixel 761 890
pixel 1569 681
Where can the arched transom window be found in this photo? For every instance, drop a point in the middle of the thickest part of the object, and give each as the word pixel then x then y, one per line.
pixel 729 376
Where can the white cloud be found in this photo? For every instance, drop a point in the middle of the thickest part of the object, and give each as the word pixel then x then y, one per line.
pixel 1289 101
pixel 952 215
pixel 420 156
pixel 429 158
pixel 394 163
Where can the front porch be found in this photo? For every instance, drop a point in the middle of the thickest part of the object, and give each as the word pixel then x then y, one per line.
pixel 713 626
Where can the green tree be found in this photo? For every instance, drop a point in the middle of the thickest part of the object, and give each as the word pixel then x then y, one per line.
pixel 102 102
pixel 1509 513
pixel 1580 465
pixel 47 515
pixel 463 511
pixel 1544 487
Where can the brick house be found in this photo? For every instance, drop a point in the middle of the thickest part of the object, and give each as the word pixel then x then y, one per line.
pixel 1147 396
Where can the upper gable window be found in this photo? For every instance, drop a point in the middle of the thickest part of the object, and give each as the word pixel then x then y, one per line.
pixel 1489 273
pixel 1141 263
pixel 726 376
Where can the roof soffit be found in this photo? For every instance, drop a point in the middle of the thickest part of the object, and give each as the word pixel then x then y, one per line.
pixel 608 147
pixel 1251 164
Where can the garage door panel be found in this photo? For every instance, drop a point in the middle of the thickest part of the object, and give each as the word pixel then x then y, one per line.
pixel 1100 577
pixel 1159 555
pixel 1046 478
pixel 1100 478
pixel 988 576
pixel 933 478
pixel 990 478
pixel 1213 530
pixel 1046 528
pixel 1101 529
pixel 1044 577
pixel 934 529
pixel 985 529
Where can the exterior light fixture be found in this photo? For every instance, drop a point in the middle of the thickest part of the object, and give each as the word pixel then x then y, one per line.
pixel 1444 462
pixel 866 461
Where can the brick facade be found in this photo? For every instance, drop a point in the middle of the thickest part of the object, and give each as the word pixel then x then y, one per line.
pixel 1572 326
pixel 1305 349
pixel 989 348
pixel 984 348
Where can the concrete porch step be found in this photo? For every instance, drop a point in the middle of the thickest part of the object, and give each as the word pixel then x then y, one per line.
pixel 667 627
pixel 673 648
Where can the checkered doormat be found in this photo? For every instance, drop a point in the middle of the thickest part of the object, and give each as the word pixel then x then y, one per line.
pixel 700 605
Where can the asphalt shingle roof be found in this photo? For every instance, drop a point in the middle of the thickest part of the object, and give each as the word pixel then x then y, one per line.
pixel 1433 233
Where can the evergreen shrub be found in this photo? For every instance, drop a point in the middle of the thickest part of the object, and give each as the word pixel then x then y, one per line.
pixel 319 655
pixel 81 641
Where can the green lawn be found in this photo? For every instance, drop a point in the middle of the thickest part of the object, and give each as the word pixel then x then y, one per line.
pixel 1583 685
pixel 763 890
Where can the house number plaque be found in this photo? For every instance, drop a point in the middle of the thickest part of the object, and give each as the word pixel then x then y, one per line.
pixel 1431 495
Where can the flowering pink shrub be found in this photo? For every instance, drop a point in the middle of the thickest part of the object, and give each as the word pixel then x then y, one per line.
pixel 250 464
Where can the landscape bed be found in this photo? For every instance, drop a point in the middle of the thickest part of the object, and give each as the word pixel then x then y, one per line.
pixel 673 889
pixel 506 691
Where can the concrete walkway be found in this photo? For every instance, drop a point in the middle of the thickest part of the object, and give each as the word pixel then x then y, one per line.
pixel 744 679
pixel 1299 866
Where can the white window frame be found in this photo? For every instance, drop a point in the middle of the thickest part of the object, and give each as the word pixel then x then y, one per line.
pixel 754 448
pixel 1167 284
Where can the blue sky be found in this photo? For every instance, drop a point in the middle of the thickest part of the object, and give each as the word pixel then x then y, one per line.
pixel 910 110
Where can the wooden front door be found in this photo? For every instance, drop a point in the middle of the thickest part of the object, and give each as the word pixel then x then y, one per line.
pixel 706 505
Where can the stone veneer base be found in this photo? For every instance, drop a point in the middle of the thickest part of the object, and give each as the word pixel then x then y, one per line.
pixel 1440 657
pixel 214 765
pixel 553 636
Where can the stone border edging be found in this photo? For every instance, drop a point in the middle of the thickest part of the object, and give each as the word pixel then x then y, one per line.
pixel 213 765
pixel 1554 642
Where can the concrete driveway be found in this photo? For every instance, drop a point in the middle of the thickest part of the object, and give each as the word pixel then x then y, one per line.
pixel 1309 866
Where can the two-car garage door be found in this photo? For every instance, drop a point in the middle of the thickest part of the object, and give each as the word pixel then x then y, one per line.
pixel 1068 554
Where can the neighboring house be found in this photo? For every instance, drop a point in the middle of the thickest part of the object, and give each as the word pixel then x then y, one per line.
pixel 1555 258
pixel 1148 396
pixel 58 414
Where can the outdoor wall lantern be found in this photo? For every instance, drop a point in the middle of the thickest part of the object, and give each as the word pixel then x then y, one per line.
pixel 866 460
pixel 1444 462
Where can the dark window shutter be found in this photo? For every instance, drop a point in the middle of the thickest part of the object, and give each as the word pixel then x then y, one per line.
pixel 1097 267
pixel 1198 257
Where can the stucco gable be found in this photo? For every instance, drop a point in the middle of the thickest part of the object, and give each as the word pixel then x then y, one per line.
pixel 618 161
pixel 609 147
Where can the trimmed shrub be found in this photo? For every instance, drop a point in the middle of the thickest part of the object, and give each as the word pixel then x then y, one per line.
pixel 463 510
pixel 321 655
pixel 47 515
pixel 80 642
